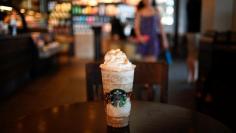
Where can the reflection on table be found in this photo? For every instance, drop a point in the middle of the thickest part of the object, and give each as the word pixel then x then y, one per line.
pixel 145 117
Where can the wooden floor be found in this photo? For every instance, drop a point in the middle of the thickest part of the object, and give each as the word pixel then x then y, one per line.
pixel 67 86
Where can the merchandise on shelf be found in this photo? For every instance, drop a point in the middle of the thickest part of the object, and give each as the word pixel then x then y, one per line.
pixel 96 12
pixel 46 44
pixel 94 2
pixel 84 10
pixel 60 17
pixel 132 2
pixel 90 20
pixel 34 19
pixel 11 21
pixel 166 8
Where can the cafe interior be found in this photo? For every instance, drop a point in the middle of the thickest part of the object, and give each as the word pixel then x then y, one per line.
pixel 56 71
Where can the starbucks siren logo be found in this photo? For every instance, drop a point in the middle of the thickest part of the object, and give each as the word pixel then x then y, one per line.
pixel 117 97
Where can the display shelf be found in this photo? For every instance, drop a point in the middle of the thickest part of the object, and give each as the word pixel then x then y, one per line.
pixel 99 13
pixel 59 20
pixel 90 20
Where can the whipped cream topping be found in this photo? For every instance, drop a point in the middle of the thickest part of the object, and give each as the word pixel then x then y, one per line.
pixel 119 111
pixel 116 60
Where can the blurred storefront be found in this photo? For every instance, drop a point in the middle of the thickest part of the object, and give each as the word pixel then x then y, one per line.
pixel 34 32
pixel 89 22
pixel 27 49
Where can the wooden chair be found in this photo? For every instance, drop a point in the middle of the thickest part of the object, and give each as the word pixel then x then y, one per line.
pixel 93 81
pixel 146 75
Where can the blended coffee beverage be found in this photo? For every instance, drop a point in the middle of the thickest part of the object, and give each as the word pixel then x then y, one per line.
pixel 117 79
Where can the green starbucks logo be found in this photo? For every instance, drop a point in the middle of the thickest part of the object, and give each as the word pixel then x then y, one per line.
pixel 117 97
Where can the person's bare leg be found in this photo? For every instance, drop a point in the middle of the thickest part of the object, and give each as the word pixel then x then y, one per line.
pixel 149 59
pixel 195 70
pixel 191 69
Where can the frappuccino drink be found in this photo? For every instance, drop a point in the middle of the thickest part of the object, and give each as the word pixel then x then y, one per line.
pixel 117 79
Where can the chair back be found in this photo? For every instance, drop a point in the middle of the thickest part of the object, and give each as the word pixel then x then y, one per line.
pixel 147 75
pixel 152 74
pixel 93 81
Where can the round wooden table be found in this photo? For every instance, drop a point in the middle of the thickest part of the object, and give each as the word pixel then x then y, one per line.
pixel 89 117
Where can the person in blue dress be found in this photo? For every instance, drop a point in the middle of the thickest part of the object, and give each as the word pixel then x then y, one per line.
pixel 147 25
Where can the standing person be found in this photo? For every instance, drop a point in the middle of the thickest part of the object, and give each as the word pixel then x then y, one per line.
pixel 117 33
pixel 193 30
pixel 117 29
pixel 147 25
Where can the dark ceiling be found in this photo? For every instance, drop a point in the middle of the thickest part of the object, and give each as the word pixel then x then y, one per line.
pixel 15 3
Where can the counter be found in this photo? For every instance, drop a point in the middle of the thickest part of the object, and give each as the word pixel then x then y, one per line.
pixel 21 60
pixel 16 59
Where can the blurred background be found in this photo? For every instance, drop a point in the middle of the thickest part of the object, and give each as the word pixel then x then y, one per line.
pixel 45 44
